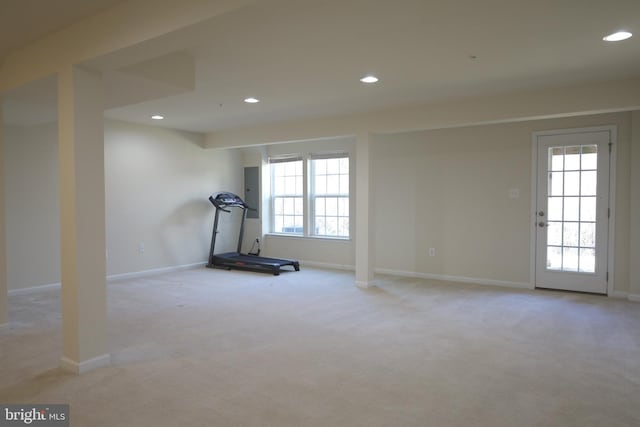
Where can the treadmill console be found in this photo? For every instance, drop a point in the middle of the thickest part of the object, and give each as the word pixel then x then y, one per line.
pixel 225 199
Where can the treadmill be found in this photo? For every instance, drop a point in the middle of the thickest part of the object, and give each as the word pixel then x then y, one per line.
pixel 237 260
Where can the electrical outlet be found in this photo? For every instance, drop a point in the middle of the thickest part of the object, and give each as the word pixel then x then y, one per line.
pixel 432 251
pixel 141 247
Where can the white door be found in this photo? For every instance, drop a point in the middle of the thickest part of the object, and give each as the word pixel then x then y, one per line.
pixel 572 209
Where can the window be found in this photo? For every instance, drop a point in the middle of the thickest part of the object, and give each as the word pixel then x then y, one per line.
pixel 287 195
pixel 310 196
pixel 330 196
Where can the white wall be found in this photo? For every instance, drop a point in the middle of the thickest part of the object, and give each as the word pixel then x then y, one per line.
pixel 449 189
pixel 446 189
pixel 33 211
pixel 634 209
pixel 157 186
pixel 320 251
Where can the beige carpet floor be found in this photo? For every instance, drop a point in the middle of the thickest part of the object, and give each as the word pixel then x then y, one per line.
pixel 216 348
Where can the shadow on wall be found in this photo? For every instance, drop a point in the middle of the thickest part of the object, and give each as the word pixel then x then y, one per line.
pixel 187 223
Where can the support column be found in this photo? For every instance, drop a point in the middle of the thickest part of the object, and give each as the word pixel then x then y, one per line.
pixel 82 219
pixel 4 296
pixel 634 202
pixel 364 213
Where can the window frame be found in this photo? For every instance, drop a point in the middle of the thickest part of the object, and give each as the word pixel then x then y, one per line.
pixel 308 194
pixel 313 196
pixel 273 196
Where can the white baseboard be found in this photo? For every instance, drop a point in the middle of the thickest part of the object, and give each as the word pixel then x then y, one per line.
pixel 327 265
pixel 111 278
pixel 144 273
pixel 460 279
pixel 619 295
pixel 32 289
pixel 633 297
pixel 86 366
pixel 365 285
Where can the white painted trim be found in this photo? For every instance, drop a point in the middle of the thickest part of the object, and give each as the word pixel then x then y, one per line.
pixel 633 297
pixel 611 250
pixel 31 289
pixel 534 211
pixel 145 273
pixel 460 279
pixel 326 265
pixel 85 366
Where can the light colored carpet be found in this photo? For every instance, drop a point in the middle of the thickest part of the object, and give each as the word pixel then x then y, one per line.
pixel 216 348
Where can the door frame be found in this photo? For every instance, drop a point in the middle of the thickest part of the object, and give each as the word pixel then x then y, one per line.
pixel 613 132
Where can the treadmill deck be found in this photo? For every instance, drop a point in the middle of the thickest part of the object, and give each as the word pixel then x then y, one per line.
pixel 237 260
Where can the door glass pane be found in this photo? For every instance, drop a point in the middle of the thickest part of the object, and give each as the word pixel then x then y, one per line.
pixel 554 234
pixel 570 234
pixel 555 208
pixel 570 259
pixel 589 157
pixel 572 158
pixel 571 205
pixel 587 209
pixel 554 258
pixel 572 183
pixel 588 260
pixel 589 183
pixel 556 158
pixel 587 235
pixel 556 184
pixel 571 209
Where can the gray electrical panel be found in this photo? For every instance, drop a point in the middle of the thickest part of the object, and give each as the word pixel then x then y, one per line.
pixel 252 190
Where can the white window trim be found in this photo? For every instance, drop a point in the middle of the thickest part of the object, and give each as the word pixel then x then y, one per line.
pixel 272 215
pixel 313 196
pixel 308 198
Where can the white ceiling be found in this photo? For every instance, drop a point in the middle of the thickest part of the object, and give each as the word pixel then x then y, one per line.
pixel 303 58
pixel 22 21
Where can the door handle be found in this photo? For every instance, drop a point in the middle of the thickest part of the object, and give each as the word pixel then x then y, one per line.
pixel 542 224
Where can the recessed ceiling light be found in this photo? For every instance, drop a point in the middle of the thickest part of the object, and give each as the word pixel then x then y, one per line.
pixel 157 117
pixel 251 100
pixel 616 37
pixel 369 79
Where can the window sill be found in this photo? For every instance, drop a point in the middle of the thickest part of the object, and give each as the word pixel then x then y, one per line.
pixel 299 237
